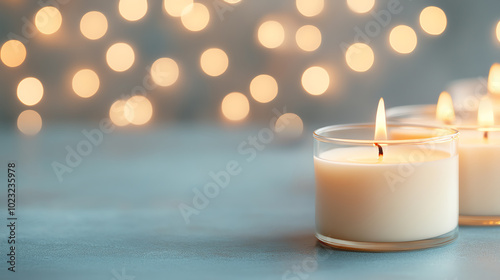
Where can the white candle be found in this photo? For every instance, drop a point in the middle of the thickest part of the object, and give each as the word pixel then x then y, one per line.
pixel 386 191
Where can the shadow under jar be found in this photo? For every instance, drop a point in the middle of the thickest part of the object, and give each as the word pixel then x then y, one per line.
pixel 391 195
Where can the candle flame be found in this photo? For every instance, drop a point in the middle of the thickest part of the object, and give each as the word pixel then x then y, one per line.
pixel 485 115
pixel 494 79
pixel 444 108
pixel 380 122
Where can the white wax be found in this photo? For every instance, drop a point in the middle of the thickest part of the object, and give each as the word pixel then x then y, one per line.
pixel 356 201
pixel 479 175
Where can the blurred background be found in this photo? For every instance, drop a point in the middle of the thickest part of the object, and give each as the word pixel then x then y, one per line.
pixel 325 61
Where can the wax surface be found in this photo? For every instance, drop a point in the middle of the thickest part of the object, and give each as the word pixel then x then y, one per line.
pixel 411 195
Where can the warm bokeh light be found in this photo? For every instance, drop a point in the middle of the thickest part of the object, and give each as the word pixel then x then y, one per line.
pixel 359 57
pixel 485 113
pixel 29 122
pixel 138 110
pixel 13 53
pixel 494 79
pixel 85 83
pixel 271 34
pixel 235 106
pixel 93 25
pixel 165 72
pixel 308 38
pixel 263 88
pixel 403 39
pixel 30 91
pixel 176 7
pixel 133 10
pixel 497 31
pixel 289 125
pixel 310 8
pixel 315 80
pixel 48 20
pixel 117 113
pixel 195 17
pixel 120 57
pixel 361 6
pixel 214 62
pixel 433 20
pixel 380 122
pixel 444 109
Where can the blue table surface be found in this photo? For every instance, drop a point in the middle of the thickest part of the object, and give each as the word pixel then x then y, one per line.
pixel 116 215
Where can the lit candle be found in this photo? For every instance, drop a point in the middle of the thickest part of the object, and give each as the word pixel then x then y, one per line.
pixel 385 194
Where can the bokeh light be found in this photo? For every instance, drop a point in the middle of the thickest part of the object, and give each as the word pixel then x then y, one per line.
pixel 263 88
pixel 13 53
pixel 433 20
pixel 29 122
pixel 176 7
pixel 235 106
pixel 138 110
pixel 308 38
pixel 85 83
pixel 30 91
pixel 165 72
pixel 289 125
pixel 403 39
pixel 232 1
pixel 497 31
pixel 133 10
pixel 48 20
pixel 361 6
pixel 315 80
pixel 93 25
pixel 195 17
pixel 120 57
pixel 214 62
pixel 310 8
pixel 359 57
pixel 117 113
pixel 271 34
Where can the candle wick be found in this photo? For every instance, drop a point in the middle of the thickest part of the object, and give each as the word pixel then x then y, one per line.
pixel 485 135
pixel 380 150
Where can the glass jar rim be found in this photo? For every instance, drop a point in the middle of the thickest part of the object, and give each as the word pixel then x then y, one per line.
pixel 451 135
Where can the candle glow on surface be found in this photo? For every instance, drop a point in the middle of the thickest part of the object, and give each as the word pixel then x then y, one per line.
pixel 29 122
pixel 165 72
pixel 195 17
pixel 403 39
pixel 310 8
pixel 117 113
pixel 85 83
pixel 444 109
pixel 30 91
pixel 120 57
pixel 494 79
pixel 133 10
pixel 138 110
pixel 361 6
pixel 433 20
pixel 48 20
pixel 176 7
pixel 93 25
pixel 263 88
pixel 271 34
pixel 308 38
pixel 235 106
pixel 13 53
pixel 214 62
pixel 315 80
pixel 359 57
